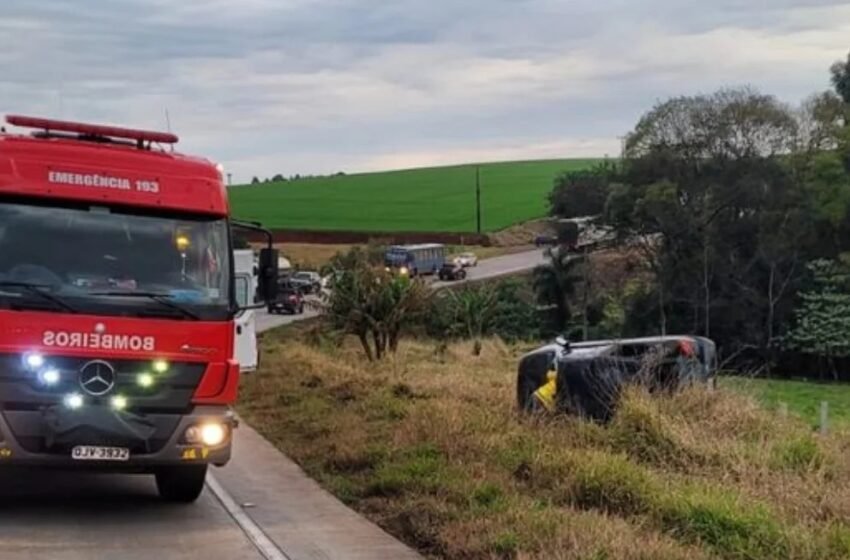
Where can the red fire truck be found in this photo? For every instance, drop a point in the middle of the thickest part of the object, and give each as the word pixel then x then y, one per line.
pixel 117 304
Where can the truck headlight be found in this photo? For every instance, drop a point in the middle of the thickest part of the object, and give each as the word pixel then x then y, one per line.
pixel 213 434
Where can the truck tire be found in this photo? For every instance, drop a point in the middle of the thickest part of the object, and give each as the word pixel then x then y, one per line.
pixel 181 484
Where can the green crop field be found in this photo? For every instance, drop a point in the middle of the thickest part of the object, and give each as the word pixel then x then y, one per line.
pixel 801 397
pixel 428 199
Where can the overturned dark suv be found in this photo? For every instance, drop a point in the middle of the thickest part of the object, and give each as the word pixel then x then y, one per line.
pixel 586 378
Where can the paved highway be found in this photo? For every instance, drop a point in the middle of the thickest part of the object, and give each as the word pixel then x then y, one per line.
pixel 486 269
pixel 260 507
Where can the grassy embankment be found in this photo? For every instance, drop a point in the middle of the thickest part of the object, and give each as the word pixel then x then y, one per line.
pixel 428 199
pixel 802 398
pixel 429 446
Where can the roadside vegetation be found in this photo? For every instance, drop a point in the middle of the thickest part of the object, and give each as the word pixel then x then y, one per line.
pixel 731 218
pixel 430 199
pixel 428 444
pixel 317 256
pixel 801 397
pixel 738 207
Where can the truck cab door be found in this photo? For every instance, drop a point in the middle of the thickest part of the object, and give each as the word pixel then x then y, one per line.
pixel 247 353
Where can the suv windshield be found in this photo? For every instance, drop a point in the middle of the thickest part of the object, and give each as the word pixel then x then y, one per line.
pixel 85 258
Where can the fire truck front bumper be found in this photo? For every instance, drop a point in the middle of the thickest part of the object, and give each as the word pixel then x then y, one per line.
pixel 98 438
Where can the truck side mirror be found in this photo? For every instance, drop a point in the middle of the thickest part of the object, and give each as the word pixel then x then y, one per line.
pixel 267 280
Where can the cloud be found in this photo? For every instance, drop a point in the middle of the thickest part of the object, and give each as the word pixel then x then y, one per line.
pixel 312 86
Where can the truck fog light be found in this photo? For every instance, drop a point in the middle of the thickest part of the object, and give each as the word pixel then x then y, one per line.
pixel 49 377
pixel 119 402
pixel 212 434
pixel 74 401
pixel 160 366
pixel 145 380
pixel 193 434
pixel 34 360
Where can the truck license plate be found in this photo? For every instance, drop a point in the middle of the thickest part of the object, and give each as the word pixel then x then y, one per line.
pixel 95 453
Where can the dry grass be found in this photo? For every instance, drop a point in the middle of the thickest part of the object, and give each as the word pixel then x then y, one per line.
pixel 430 447
pixel 310 256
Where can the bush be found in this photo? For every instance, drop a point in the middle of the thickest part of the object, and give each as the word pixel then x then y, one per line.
pixel 798 455
pixel 612 484
pixel 503 308
pixel 721 520
pixel 642 431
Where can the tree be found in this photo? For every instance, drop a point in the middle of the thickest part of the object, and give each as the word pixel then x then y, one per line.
pixel 718 195
pixel 823 319
pixel 278 178
pixel 581 193
pixel 555 284
pixel 820 121
pixel 255 180
pixel 375 306
pixel 473 308
pixel 841 78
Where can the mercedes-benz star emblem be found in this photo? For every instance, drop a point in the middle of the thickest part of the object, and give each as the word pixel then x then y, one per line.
pixel 97 378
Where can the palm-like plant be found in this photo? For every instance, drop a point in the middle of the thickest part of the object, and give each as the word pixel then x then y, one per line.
pixel 555 284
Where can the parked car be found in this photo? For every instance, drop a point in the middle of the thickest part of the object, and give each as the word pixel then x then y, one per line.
pixel 309 282
pixel 466 260
pixel 452 271
pixel 290 300
pixel 545 241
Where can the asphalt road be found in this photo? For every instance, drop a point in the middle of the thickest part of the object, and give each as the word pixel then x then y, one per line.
pixel 486 269
pixel 76 516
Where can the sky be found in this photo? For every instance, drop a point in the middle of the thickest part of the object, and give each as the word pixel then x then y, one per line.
pixel 320 86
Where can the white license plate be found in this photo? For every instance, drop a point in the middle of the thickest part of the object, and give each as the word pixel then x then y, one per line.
pixel 96 453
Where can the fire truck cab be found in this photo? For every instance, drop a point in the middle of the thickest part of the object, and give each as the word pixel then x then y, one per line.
pixel 119 310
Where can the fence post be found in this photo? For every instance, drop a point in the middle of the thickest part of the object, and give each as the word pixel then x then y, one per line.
pixel 824 417
pixel 783 410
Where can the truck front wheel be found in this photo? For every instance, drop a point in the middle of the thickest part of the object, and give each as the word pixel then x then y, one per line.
pixel 181 484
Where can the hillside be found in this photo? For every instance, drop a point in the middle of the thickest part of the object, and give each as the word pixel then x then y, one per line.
pixel 428 199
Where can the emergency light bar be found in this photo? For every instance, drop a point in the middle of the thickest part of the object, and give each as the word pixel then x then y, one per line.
pixel 92 130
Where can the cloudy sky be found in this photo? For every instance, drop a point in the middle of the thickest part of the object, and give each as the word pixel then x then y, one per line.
pixel 316 86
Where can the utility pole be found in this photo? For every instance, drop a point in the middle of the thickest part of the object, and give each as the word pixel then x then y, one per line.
pixel 478 198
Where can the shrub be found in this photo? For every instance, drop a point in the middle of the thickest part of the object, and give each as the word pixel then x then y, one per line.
pixel 611 483
pixel 800 454
pixel 722 520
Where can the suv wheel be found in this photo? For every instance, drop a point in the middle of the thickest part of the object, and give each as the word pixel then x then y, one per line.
pixel 181 484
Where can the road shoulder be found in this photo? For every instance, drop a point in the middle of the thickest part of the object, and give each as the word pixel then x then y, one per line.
pixel 302 519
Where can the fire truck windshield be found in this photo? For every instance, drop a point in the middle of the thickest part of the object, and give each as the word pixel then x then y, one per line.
pixel 109 260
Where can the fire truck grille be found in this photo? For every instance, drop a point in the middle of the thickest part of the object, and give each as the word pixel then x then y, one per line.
pixel 146 390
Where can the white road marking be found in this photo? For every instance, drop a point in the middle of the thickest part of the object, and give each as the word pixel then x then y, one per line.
pixel 266 547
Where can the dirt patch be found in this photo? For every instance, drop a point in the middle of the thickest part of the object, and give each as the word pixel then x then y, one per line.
pixel 522 234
